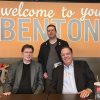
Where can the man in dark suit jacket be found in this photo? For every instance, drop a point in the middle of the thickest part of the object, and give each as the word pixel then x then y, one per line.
pixel 24 77
pixel 72 76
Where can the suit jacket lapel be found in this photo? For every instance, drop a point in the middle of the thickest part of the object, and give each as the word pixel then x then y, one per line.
pixel 76 74
pixel 33 71
pixel 62 72
pixel 19 72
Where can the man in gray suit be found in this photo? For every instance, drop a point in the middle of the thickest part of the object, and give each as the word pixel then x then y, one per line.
pixel 24 77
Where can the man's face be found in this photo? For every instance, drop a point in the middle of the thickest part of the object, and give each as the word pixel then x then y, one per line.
pixel 66 56
pixel 27 54
pixel 51 32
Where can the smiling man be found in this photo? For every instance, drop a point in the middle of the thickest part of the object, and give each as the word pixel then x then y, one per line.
pixel 24 77
pixel 72 77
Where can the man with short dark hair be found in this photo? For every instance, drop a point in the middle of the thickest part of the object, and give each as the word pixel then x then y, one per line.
pixel 72 77
pixel 49 54
pixel 24 77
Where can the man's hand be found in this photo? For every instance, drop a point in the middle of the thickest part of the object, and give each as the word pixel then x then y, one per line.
pixel 85 93
pixel 7 93
pixel 45 75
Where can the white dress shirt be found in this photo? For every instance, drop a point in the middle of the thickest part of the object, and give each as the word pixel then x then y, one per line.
pixel 69 85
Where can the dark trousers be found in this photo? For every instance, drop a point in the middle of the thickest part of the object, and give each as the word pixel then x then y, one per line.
pixel 47 83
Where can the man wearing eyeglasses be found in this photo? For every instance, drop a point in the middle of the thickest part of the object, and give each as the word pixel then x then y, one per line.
pixel 24 77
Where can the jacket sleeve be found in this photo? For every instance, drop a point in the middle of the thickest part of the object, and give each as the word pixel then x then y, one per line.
pixel 41 58
pixel 66 43
pixel 53 85
pixel 90 79
pixel 8 85
pixel 40 86
pixel 40 55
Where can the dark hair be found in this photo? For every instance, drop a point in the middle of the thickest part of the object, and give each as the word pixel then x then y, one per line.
pixel 51 25
pixel 66 47
pixel 27 46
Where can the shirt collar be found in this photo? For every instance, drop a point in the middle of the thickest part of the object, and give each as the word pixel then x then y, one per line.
pixel 70 66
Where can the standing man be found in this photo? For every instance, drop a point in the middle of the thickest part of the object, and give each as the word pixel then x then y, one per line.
pixel 72 76
pixel 49 54
pixel 24 77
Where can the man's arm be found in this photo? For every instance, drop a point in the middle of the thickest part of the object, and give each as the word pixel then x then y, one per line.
pixel 40 55
pixel 40 85
pixel 90 79
pixel 9 81
pixel 40 60
pixel 53 86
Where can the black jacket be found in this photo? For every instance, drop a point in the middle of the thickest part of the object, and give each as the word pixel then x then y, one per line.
pixel 44 52
pixel 84 77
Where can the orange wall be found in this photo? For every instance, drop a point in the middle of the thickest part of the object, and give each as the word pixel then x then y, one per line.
pixel 76 38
